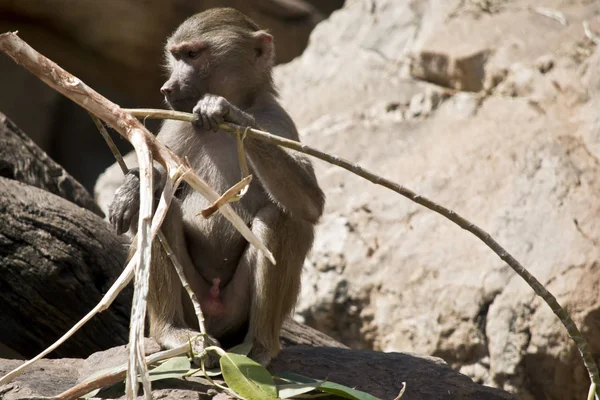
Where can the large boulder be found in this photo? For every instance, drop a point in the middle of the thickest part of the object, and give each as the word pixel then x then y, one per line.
pixel 513 145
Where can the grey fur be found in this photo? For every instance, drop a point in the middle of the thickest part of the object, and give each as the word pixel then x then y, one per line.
pixel 230 80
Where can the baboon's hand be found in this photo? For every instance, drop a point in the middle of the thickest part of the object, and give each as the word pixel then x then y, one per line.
pixel 126 203
pixel 211 111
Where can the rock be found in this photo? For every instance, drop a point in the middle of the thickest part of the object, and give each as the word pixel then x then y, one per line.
pixel 45 378
pixel 293 333
pixel 382 374
pixel 378 61
pixel 528 82
pixel 493 77
pixel 377 373
pixel 22 160
pixel 462 105
pixel 423 104
pixel 590 71
pixel 520 159
pixel 456 71
pixel 589 117
pixel 545 63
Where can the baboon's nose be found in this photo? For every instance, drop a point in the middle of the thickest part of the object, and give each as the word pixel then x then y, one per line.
pixel 166 89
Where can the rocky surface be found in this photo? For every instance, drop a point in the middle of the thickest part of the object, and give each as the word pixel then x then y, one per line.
pixel 499 122
pixel 377 373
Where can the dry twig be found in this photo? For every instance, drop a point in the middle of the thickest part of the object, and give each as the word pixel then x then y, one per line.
pixel 234 193
pixel 137 364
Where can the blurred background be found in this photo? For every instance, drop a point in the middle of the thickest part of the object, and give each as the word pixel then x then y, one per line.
pixel 116 47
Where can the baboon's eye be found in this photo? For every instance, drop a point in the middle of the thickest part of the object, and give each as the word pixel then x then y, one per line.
pixel 193 53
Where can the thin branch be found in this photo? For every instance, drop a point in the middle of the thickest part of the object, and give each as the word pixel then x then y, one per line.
pixel 170 190
pixel 401 391
pixel 184 282
pixel 592 392
pixel 485 237
pixel 111 145
pixel 137 364
pixel 241 153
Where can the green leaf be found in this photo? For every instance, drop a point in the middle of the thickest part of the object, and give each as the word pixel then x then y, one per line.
pixel 294 377
pixel 327 387
pixel 345 391
pixel 242 348
pixel 294 389
pixel 175 367
pixel 247 378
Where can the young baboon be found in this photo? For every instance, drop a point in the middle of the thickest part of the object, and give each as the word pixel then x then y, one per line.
pixel 220 65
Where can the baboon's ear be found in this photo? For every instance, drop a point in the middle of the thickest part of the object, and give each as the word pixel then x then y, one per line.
pixel 264 47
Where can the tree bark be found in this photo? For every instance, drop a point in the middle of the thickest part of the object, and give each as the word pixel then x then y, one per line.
pixel 56 257
pixel 56 261
pixel 23 161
